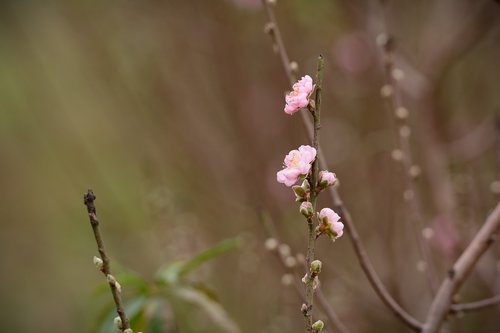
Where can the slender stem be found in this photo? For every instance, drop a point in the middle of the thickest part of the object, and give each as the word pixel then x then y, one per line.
pixel 363 258
pixel 477 305
pixel 88 200
pixel 395 105
pixel 316 113
pixel 325 307
pixel 441 305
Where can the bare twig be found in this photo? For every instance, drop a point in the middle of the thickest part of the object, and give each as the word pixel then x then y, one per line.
pixel 363 259
pixel 88 200
pixel 393 94
pixel 459 272
pixel 478 305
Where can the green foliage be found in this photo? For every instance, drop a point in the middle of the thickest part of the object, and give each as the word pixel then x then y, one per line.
pixel 171 302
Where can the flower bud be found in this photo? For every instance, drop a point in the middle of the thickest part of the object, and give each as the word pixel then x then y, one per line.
pixel 318 326
pixel 118 322
pixel 128 330
pixel 98 263
pixel 271 244
pixel 316 267
pixel 306 209
pixel 303 308
pixel 111 279
pixel 326 178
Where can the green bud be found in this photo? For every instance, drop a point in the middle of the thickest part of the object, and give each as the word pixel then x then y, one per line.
pixel 111 279
pixel 98 263
pixel 316 267
pixel 318 326
pixel 300 193
pixel 306 209
pixel 118 322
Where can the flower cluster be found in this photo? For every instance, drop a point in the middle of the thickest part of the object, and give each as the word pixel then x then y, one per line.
pixel 329 223
pixel 299 97
pixel 298 164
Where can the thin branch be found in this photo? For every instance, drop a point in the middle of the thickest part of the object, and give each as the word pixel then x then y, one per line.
pixel 460 270
pixel 325 307
pixel 363 259
pixel 477 305
pixel 115 287
pixel 316 112
pixel 392 92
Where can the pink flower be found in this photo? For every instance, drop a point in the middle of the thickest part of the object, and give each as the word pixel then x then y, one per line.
pixel 297 165
pixel 327 178
pixel 299 97
pixel 331 219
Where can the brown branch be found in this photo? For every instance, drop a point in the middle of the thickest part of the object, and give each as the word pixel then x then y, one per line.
pixel 392 92
pixel 363 259
pixel 477 305
pixel 460 270
pixel 88 200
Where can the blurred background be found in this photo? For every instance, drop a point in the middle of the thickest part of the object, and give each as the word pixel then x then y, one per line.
pixel 172 111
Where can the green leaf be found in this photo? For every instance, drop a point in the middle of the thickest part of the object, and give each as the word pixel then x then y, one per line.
pixel 173 272
pixel 214 311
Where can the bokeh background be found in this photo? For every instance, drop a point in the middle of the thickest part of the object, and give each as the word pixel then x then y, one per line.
pixel 172 112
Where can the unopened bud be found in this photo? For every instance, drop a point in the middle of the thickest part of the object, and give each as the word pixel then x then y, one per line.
pixel 316 267
pixel 386 90
pixel 414 171
pixel 303 308
pixel 398 74
pixel 118 322
pixel 98 263
pixel 290 262
pixel 326 178
pixel 294 66
pixel 269 28
pixel 397 155
pixel 271 244
pixel 287 279
pixel 284 250
pixel 128 330
pixel 402 112
pixel 111 279
pixel 318 326
pixel 306 209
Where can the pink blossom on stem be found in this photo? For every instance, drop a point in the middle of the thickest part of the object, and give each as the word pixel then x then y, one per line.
pixel 299 96
pixel 327 178
pixel 331 219
pixel 297 165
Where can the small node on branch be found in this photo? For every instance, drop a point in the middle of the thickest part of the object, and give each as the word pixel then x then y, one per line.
pixel 269 28
pixel 315 268
pixel 318 326
pixel 98 263
pixel 294 67
pixel 271 244
pixel 118 322
pixel 88 200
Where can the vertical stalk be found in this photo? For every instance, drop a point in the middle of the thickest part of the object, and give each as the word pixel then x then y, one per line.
pixel 88 200
pixel 316 112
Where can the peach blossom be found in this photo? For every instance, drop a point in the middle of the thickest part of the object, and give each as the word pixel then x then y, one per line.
pixel 299 96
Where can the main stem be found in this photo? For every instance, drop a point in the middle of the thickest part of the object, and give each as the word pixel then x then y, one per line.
pixel 316 111
pixel 89 199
